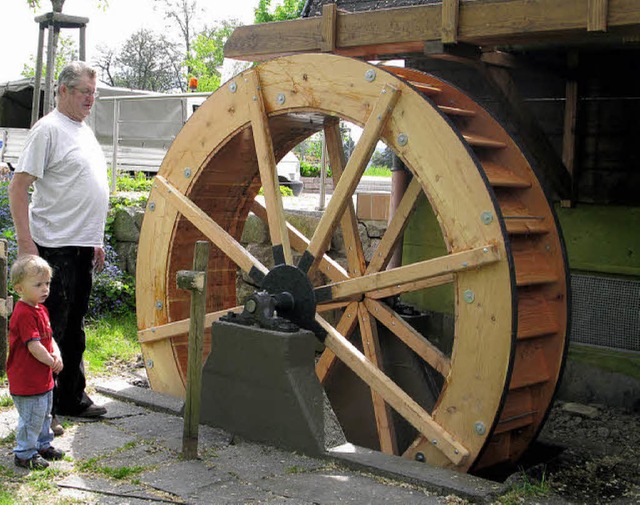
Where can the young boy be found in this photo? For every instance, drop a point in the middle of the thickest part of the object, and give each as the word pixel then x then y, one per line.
pixel 33 358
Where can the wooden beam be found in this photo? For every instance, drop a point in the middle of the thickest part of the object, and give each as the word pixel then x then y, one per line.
pixel 405 29
pixel 597 16
pixel 212 230
pixel 450 18
pixel 400 401
pixel 407 274
pixel 345 326
pixel 569 138
pixel 329 18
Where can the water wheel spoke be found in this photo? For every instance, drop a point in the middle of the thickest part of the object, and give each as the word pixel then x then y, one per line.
pixel 395 228
pixel 345 326
pixel 299 242
pixel 212 230
pixel 176 328
pixel 400 401
pixel 348 222
pixel 382 412
pixel 408 287
pixel 410 336
pixel 268 171
pixel 408 274
pixel 353 171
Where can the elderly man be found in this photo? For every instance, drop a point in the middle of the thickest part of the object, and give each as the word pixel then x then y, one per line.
pixel 64 223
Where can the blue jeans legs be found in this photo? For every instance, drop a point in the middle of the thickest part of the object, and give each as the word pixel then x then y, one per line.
pixel 34 424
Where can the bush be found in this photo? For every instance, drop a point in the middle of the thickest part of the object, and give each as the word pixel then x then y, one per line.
pixel 138 182
pixel 309 170
pixel 284 191
pixel 113 290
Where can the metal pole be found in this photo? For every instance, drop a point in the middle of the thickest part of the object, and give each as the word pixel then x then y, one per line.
pixel 51 64
pixel 115 140
pixel 83 43
pixel 35 101
pixel 195 281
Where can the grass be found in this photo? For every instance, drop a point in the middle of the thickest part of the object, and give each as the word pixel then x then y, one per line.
pixel 378 171
pixel 111 340
pixel 525 489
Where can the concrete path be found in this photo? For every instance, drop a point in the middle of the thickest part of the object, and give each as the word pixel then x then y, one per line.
pixel 141 436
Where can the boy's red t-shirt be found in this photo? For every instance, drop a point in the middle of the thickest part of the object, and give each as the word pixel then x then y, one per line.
pixel 28 376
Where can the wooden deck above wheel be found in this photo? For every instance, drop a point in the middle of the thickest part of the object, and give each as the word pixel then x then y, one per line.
pixel 504 256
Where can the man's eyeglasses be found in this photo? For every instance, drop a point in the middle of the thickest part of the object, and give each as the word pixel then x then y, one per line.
pixel 87 92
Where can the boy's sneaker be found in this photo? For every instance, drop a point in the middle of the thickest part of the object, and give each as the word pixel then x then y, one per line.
pixel 51 453
pixel 36 462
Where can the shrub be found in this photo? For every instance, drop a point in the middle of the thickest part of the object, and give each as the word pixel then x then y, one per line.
pixel 113 290
pixel 309 170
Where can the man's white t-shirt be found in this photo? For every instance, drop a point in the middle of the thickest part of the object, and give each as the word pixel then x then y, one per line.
pixel 71 194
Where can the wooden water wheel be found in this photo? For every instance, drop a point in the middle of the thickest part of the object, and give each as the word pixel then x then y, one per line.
pixel 504 261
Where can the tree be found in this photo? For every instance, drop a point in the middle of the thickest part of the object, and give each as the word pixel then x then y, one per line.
pixel 382 158
pixel 184 14
pixel 146 61
pixel 290 9
pixel 66 53
pixel 208 54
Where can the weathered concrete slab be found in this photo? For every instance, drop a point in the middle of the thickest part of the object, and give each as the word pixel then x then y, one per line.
pixel 331 487
pixel 102 489
pixel 184 478
pixel 147 398
pixel 251 462
pixel 142 454
pixel 166 430
pixel 237 493
pixel 439 480
pixel 91 440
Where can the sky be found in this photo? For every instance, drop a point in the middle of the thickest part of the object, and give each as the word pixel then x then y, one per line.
pixel 110 26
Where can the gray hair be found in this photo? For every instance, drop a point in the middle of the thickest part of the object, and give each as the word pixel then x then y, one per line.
pixel 72 73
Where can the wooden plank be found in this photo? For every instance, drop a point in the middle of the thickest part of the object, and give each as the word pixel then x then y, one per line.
pixel 517 412
pixel 400 401
pixel 535 317
pixel 345 326
pixel 348 222
pixel 214 232
pixel 502 177
pixel 597 16
pixel 382 413
pixel 450 17
pixel 175 328
pixel 379 294
pixel 267 166
pixel 403 29
pixel 329 18
pixel 380 113
pixel 451 263
pixel 530 365
pixel 532 268
pixel 456 111
pixel 395 228
pixel 410 336
pixel 479 141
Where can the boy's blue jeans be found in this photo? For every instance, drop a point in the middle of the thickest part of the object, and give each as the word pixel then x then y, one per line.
pixel 34 424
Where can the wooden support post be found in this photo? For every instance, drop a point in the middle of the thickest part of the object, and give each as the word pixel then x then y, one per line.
pixel 450 16
pixel 569 138
pixel 195 281
pixel 329 19
pixel 4 312
pixel 597 15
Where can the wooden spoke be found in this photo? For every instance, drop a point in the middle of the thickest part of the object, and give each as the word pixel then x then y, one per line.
pixel 371 346
pixel 348 222
pixel 410 336
pixel 212 230
pixel 268 171
pixel 352 173
pixel 428 269
pixel 345 326
pixel 393 395
pixel 410 286
pixel 175 328
pixel 299 242
pixel 395 227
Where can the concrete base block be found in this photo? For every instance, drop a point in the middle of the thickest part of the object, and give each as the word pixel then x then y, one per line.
pixel 261 385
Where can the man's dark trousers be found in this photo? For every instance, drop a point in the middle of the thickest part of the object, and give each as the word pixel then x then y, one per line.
pixel 68 303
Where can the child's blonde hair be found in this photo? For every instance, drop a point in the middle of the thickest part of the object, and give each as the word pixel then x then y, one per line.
pixel 28 266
